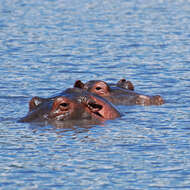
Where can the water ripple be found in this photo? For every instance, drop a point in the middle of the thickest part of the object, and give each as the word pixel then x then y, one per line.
pixel 46 45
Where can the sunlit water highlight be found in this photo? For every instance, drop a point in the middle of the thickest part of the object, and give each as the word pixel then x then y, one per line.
pixel 46 45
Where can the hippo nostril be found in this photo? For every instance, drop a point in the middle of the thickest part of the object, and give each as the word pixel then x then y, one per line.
pixel 98 88
pixel 95 106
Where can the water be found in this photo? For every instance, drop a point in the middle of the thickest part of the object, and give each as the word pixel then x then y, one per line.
pixel 46 45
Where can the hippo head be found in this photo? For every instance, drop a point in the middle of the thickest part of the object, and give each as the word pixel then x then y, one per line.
pixel 121 93
pixel 75 107
pixel 59 108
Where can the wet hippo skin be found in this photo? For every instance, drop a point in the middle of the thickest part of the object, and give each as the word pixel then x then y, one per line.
pixel 119 95
pixel 71 104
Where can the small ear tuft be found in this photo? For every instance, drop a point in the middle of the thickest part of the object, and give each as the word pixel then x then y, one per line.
pixel 130 85
pixel 35 102
pixel 125 84
pixel 79 84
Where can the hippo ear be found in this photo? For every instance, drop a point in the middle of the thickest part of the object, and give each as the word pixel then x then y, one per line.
pixel 125 84
pixel 130 85
pixel 35 102
pixel 79 84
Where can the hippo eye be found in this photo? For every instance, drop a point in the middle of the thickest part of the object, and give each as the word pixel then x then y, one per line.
pixel 98 88
pixel 64 104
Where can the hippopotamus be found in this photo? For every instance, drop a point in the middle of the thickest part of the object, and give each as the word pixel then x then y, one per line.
pixel 71 104
pixel 120 94
pixel 123 83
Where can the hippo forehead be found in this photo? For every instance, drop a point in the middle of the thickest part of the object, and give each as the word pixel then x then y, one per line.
pixel 90 84
pixel 78 95
pixel 74 91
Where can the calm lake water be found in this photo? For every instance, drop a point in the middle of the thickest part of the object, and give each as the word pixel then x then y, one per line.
pixel 46 45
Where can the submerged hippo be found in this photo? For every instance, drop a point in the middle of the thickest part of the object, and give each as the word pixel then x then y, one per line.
pixel 119 95
pixel 71 104
pixel 123 83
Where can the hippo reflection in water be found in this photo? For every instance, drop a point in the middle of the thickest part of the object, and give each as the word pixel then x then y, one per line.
pixel 120 94
pixel 71 104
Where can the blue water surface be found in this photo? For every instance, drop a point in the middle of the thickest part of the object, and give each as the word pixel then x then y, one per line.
pixel 46 45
